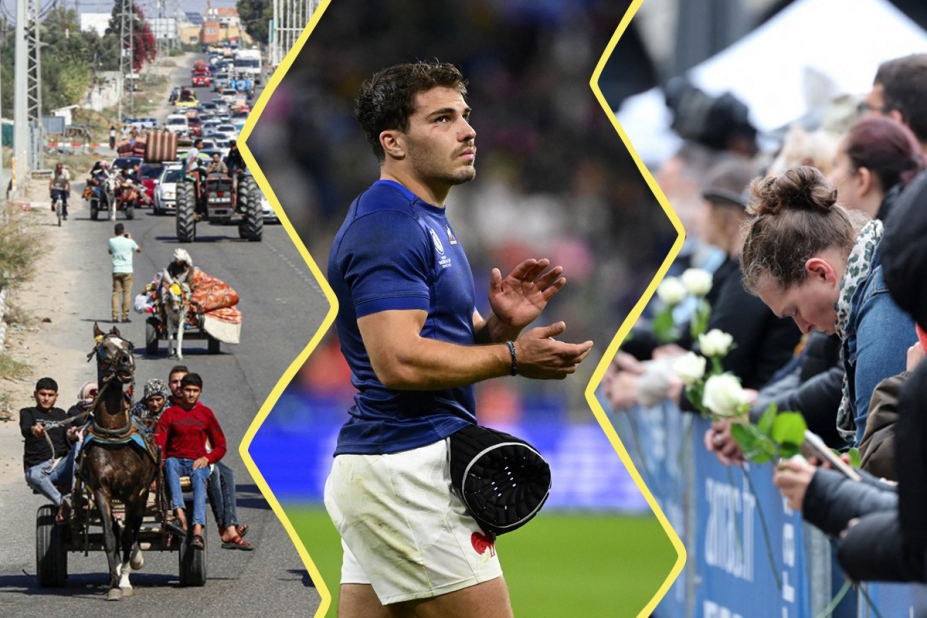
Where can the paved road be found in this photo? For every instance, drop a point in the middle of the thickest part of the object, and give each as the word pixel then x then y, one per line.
pixel 282 307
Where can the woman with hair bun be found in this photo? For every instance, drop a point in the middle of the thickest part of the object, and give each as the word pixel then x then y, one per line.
pixel 874 161
pixel 811 259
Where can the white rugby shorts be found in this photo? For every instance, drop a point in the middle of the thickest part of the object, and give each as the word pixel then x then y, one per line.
pixel 404 530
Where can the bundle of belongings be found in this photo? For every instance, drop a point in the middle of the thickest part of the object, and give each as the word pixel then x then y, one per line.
pixel 211 302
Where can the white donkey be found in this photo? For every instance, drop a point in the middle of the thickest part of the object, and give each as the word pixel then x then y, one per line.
pixel 110 183
pixel 175 303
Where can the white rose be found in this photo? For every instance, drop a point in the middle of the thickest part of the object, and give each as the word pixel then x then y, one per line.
pixel 715 342
pixel 723 395
pixel 671 291
pixel 697 281
pixel 690 368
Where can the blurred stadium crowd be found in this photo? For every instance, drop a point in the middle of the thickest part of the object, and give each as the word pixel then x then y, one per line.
pixel 554 179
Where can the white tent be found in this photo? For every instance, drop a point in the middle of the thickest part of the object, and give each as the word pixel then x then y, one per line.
pixel 772 68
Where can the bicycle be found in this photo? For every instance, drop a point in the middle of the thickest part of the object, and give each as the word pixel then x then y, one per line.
pixel 58 207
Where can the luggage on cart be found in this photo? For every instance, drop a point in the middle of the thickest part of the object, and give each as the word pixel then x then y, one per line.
pixel 160 146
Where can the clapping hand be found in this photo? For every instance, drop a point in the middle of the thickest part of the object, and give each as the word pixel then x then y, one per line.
pixel 518 299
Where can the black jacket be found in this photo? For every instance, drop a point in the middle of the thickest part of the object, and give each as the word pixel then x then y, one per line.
pixel 234 160
pixel 904 264
pixel 36 450
pixel 873 549
pixel 763 342
pixel 889 543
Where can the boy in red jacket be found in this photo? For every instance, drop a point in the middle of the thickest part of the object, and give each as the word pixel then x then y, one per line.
pixel 181 433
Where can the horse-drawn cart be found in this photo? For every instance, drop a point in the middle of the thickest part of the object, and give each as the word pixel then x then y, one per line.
pixel 119 503
pixel 83 532
pixel 113 194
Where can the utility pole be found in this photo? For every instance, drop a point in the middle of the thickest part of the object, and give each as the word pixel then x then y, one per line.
pixel 21 144
pixel 132 82
pixel 126 48
pixel 290 19
pixel 34 87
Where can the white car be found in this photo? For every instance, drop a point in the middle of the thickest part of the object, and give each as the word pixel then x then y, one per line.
pixel 165 199
pixel 270 216
pixel 177 123
pixel 225 132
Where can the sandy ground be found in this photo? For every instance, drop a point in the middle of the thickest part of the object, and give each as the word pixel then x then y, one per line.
pixel 48 300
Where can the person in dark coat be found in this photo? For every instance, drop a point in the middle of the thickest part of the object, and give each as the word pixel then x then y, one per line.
pixel 763 343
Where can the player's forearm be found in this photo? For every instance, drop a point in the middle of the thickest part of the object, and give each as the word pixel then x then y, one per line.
pixel 428 364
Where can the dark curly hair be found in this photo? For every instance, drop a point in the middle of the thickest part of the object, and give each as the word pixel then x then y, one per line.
pixel 387 99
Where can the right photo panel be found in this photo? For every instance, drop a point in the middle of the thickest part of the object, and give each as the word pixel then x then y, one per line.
pixel 769 392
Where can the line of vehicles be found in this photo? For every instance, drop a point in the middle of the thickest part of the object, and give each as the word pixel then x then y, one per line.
pixel 137 183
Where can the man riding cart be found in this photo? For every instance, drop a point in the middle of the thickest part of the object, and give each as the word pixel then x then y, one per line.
pixel 185 302
pixel 211 194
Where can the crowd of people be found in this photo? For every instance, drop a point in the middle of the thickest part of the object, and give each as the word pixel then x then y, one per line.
pixel 821 254
pixel 189 437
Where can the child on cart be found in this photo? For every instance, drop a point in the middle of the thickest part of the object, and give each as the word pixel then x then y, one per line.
pixel 182 432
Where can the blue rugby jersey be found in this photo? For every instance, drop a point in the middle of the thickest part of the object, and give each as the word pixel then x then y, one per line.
pixel 395 251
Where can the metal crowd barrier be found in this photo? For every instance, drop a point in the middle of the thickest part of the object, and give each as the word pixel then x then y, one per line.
pixel 749 555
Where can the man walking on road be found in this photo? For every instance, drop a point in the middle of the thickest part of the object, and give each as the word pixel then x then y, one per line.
pixel 121 247
pixel 416 346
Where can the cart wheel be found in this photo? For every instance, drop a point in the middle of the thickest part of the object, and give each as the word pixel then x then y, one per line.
pixel 51 556
pixel 151 336
pixel 192 561
pixel 94 209
pixel 214 345
pixel 130 212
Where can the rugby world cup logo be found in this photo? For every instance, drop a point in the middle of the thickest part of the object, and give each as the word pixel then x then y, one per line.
pixel 437 242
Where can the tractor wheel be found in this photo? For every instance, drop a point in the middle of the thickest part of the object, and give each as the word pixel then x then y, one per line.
pixel 252 223
pixel 186 209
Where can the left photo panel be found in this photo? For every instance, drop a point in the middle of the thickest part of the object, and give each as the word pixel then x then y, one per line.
pixel 150 302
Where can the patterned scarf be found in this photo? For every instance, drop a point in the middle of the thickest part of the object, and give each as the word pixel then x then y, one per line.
pixel 858 267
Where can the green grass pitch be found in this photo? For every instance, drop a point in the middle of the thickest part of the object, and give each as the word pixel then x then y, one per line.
pixel 558 565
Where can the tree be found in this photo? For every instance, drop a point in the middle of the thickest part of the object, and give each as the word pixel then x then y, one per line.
pixel 254 16
pixel 67 59
pixel 144 46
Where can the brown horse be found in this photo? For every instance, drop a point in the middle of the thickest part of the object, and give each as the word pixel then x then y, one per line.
pixel 113 466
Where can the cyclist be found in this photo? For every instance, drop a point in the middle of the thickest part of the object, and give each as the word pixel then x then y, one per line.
pixel 60 187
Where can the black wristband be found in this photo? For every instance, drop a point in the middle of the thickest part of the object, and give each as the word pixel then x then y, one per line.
pixel 514 359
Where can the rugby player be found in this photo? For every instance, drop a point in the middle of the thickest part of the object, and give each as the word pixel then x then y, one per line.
pixel 416 345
